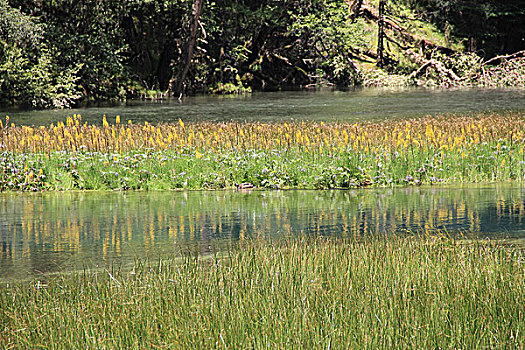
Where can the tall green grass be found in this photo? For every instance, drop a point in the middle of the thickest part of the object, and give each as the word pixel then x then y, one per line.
pixel 318 293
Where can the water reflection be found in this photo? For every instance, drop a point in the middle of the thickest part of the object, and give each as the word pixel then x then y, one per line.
pixel 58 231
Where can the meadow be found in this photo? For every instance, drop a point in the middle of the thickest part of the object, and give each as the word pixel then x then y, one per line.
pixel 401 292
pixel 206 155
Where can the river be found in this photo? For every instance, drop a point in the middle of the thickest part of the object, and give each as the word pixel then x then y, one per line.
pixel 355 105
pixel 54 232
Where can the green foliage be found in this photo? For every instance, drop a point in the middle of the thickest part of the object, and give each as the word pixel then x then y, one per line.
pixel 245 39
pixel 331 39
pixel 152 33
pixel 380 78
pixel 489 27
pixel 19 28
pixel 229 88
pixel 29 72
pixel 89 40
pixel 40 84
pixel 275 45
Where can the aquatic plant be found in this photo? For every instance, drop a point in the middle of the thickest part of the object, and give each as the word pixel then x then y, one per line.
pixel 430 133
pixel 485 147
pixel 403 292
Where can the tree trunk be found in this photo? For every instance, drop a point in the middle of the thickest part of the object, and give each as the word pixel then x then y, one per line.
pixel 381 34
pixel 355 7
pixel 177 81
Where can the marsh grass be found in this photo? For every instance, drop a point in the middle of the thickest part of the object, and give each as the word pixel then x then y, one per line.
pixel 401 292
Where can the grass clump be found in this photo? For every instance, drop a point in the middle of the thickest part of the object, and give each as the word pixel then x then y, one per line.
pixel 312 293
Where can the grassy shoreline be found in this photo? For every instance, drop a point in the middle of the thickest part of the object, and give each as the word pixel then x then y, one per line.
pixel 402 292
pixel 304 155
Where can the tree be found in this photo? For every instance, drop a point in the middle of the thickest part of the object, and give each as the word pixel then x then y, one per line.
pixel 381 34
pixel 488 27
pixel 176 84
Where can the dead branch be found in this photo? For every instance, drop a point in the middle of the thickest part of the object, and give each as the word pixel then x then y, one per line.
pixel 428 44
pixel 396 42
pixel 505 57
pixel 439 67
pixel 421 70
pixel 355 8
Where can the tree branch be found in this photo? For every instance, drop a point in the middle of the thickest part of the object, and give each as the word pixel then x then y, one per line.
pixel 505 57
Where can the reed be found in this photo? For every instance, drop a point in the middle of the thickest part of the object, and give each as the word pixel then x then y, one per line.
pixel 401 292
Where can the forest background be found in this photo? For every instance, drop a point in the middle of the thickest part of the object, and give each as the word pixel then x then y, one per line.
pixel 57 54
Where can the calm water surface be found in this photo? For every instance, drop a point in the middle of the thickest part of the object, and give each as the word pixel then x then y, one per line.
pixel 351 106
pixel 41 233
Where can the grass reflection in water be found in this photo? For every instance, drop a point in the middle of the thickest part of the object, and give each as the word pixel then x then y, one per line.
pixel 55 231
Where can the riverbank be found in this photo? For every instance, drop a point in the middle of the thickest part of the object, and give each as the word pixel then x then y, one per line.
pixel 407 292
pixel 305 155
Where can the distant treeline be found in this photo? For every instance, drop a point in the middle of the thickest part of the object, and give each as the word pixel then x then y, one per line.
pixel 57 53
